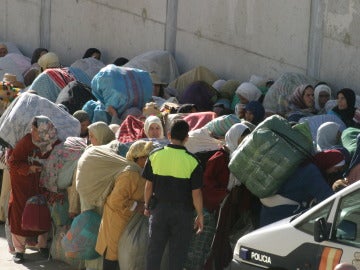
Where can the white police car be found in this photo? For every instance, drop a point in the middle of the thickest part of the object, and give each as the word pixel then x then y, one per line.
pixel 319 238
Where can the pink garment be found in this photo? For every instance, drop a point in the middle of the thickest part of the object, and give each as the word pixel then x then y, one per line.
pixel 19 242
pixel 199 119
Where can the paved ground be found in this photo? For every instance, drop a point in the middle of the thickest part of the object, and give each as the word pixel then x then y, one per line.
pixel 33 260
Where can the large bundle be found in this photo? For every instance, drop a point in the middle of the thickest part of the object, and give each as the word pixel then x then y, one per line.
pixel 58 252
pixel 160 62
pixel 97 170
pixel 196 74
pixel 276 98
pixel 50 82
pixel 15 121
pixel 349 138
pixel 14 63
pixel 91 66
pixel 74 96
pixel 133 245
pixel 122 88
pixel 79 242
pixel 269 155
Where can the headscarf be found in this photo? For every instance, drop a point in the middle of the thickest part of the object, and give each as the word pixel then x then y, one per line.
pixel 218 84
pixel 152 119
pixel 249 91
pixel 81 115
pixel 233 134
pixel 329 158
pixel 297 98
pixel 36 54
pixel 318 89
pixel 138 149
pixel 257 110
pixel 101 132
pixel 347 115
pixel 327 135
pixel 47 133
pixel 49 60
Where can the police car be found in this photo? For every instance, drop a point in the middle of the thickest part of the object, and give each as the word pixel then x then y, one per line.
pixel 319 238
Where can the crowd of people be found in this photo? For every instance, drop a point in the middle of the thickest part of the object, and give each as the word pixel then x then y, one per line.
pixel 153 145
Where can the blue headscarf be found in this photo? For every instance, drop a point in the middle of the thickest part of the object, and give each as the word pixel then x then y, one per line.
pixel 257 109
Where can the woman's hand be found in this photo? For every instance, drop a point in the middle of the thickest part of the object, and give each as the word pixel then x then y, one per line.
pixel 34 169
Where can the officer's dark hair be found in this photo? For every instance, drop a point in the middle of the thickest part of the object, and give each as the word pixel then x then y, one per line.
pixel 179 130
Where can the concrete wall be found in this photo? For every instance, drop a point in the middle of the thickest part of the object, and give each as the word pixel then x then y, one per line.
pixel 233 38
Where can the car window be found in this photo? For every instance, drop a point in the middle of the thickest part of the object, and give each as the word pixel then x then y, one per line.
pixel 347 222
pixel 307 225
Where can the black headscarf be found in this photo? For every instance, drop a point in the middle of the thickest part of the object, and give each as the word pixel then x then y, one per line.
pixel 347 115
pixel 36 54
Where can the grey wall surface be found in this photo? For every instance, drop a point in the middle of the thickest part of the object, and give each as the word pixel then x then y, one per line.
pixel 233 38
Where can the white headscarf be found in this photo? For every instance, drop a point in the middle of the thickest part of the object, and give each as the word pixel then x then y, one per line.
pixel 318 89
pixel 326 137
pixel 218 84
pixel 151 120
pixel 249 91
pixel 233 134
pixel 101 132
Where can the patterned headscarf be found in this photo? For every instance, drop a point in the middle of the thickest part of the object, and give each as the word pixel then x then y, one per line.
pixel 297 98
pixel 47 133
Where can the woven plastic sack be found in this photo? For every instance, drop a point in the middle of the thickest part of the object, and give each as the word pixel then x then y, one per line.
pixel 269 155
pixel 79 242
pixel 133 244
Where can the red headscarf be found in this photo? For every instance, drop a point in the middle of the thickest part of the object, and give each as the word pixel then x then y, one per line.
pixel 328 158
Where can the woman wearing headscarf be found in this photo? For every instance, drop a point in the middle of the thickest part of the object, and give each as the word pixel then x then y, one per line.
pixel 219 191
pixel 92 52
pixel 25 164
pixel 100 133
pixel 35 69
pixel 328 137
pixel 301 103
pixel 322 94
pixel 246 92
pixel 126 196
pixel 254 112
pixel 153 127
pixel 345 108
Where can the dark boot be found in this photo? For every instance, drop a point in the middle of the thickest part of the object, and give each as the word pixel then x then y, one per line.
pixel 18 257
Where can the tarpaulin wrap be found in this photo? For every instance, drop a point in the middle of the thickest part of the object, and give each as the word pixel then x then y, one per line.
pixel 122 87
pixel 15 121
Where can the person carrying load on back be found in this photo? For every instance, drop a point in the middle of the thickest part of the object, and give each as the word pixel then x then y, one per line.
pixel 304 187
